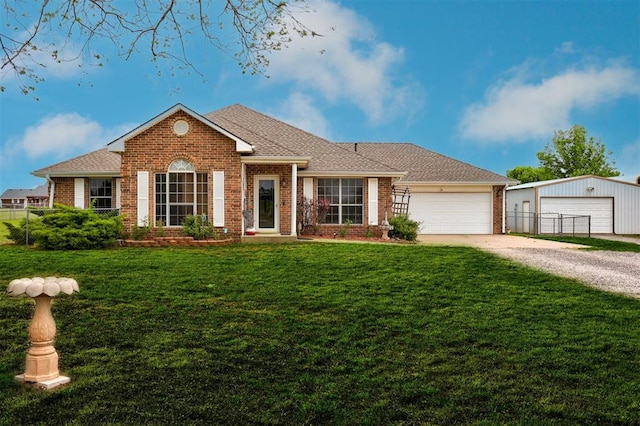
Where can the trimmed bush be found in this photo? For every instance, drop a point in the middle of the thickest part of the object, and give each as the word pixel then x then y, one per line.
pixel 69 228
pixel 404 228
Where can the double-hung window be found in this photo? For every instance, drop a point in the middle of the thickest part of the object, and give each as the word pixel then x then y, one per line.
pixel 100 193
pixel 345 197
pixel 179 193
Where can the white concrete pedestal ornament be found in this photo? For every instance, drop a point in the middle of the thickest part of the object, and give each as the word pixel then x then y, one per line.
pixel 42 359
pixel 386 227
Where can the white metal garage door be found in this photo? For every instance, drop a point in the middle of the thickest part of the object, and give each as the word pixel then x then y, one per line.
pixel 452 213
pixel 600 210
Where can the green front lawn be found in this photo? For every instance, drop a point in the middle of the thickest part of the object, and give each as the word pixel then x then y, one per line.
pixel 319 333
pixel 593 243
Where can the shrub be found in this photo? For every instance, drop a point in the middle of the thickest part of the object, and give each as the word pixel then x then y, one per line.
pixel 197 227
pixel 404 228
pixel 344 230
pixel 18 233
pixel 69 228
pixel 140 232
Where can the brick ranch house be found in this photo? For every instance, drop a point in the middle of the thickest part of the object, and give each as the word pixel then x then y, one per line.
pixel 237 160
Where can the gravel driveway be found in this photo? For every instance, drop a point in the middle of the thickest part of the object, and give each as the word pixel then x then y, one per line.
pixel 617 272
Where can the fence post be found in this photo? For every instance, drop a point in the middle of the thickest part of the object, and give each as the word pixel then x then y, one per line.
pixel 589 222
pixel 26 227
pixel 561 224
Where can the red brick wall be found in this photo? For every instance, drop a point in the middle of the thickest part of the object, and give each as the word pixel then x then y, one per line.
pixel 157 147
pixel 64 190
pixel 498 195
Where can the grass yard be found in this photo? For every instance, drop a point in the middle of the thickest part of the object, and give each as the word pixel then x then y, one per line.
pixel 4 232
pixel 319 333
pixel 593 243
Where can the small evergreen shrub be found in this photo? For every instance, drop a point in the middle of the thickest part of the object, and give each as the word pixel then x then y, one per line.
pixel 404 228
pixel 18 233
pixel 69 228
pixel 197 227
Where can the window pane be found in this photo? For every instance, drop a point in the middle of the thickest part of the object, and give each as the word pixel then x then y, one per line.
pixel 352 213
pixel 203 193
pixel 332 217
pixel 161 198
pixel 100 193
pixel 345 197
pixel 177 214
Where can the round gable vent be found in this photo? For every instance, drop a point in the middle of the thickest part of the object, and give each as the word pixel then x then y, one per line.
pixel 180 127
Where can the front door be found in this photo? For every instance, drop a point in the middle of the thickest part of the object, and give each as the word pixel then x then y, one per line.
pixel 268 200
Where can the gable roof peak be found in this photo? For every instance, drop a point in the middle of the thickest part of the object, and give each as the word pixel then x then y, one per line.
pixel 118 145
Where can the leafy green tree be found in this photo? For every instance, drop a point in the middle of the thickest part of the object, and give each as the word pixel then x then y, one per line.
pixel 37 33
pixel 526 174
pixel 572 153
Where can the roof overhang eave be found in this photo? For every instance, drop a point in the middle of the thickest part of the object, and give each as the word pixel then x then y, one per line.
pixel 350 173
pixel 442 182
pixel 77 174
pixel 300 161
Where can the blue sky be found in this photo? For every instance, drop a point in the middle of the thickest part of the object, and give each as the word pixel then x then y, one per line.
pixel 485 82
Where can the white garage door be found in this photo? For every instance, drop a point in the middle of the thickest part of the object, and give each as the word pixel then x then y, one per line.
pixel 600 210
pixel 447 213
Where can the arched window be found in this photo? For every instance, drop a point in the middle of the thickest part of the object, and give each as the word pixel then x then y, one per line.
pixel 180 192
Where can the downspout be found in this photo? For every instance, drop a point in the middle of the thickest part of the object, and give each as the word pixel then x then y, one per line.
pixel 52 190
pixel 504 209
pixel 294 198
pixel 243 184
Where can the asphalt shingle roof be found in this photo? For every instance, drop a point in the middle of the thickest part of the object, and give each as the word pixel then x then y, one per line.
pixel 39 191
pixel 423 165
pixel 101 161
pixel 272 137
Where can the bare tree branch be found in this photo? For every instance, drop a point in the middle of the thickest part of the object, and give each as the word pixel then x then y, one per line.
pixel 246 30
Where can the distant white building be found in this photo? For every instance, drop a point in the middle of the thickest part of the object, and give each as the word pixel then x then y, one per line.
pixel 613 205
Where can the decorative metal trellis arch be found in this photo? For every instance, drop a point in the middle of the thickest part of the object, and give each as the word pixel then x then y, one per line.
pixel 400 203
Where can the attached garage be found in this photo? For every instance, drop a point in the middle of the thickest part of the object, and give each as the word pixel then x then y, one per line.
pixel 452 213
pixel 600 210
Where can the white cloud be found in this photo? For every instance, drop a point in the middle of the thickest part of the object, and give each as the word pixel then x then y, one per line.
pixel 299 110
pixel 62 135
pixel 346 64
pixel 516 110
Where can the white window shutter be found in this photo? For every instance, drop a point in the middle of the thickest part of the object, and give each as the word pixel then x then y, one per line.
pixel 118 193
pixel 143 199
pixel 78 193
pixel 307 188
pixel 218 198
pixel 373 201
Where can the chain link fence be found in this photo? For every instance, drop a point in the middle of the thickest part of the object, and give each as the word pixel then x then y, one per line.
pixel 549 224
